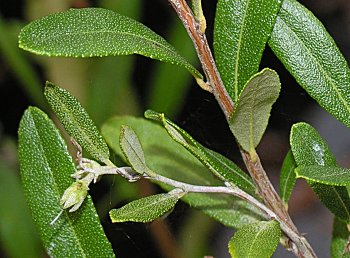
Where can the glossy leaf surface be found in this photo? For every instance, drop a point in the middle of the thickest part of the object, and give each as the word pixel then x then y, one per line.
pixel 145 209
pixel 257 240
pixel 166 157
pixel 324 175
pixel 241 31
pixel 89 32
pixel 340 238
pixel 309 149
pixel 76 121
pixel 46 167
pixel 287 177
pixel 219 165
pixel 309 53
pixel 252 112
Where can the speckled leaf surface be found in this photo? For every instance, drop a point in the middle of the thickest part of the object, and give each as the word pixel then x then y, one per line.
pixel 252 112
pixel 325 175
pixel 89 32
pixel 76 121
pixel 310 149
pixel 340 236
pixel 168 158
pixel 309 53
pixel 242 28
pixel 46 167
pixel 146 209
pixel 257 240
pixel 219 165
pixel 287 177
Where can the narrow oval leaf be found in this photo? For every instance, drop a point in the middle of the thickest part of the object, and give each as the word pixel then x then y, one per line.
pixel 76 121
pixel 241 31
pixel 219 165
pixel 309 149
pixel 132 149
pixel 287 177
pixel 310 54
pixel 46 167
pixel 257 240
pixel 252 112
pixel 324 175
pixel 340 238
pixel 89 32
pixel 146 209
pixel 164 157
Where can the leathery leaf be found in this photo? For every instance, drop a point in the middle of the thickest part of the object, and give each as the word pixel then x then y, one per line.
pixel 76 121
pixel 89 32
pixel 46 167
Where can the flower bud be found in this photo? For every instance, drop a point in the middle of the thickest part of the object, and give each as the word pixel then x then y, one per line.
pixel 74 196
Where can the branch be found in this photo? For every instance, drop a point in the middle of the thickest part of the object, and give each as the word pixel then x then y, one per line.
pixel 204 53
pixel 299 244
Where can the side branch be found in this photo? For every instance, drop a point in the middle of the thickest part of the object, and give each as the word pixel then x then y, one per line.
pixel 204 53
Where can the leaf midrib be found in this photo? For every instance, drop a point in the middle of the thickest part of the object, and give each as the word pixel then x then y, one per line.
pixel 156 43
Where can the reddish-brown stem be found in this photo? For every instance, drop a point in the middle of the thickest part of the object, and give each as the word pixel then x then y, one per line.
pixel 296 242
pixel 204 53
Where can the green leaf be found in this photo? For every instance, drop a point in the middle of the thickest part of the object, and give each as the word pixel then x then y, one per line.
pixel 287 177
pixel 340 239
pixel 132 149
pixel 257 240
pixel 166 157
pixel 89 32
pixel 219 165
pixel 241 31
pixel 46 167
pixel 146 209
pixel 324 175
pixel 309 149
pixel 76 121
pixel 310 54
pixel 16 225
pixel 250 117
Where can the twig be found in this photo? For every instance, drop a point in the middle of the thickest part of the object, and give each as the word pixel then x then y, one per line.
pixel 204 53
pixel 298 244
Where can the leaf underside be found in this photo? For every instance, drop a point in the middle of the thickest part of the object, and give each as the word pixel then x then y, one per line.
pixel 252 112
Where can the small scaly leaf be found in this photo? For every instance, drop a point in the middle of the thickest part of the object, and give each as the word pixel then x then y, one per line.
pixel 256 240
pixel 88 32
pixel 76 121
pixel 252 112
pixel 146 209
